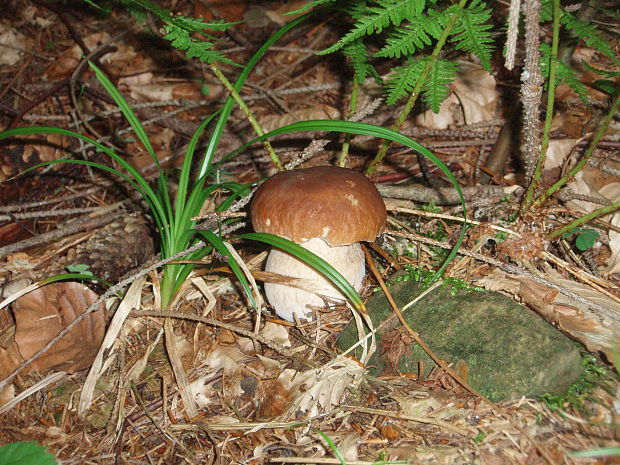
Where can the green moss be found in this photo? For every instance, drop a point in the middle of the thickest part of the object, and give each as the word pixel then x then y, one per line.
pixel 509 350
pixel 578 393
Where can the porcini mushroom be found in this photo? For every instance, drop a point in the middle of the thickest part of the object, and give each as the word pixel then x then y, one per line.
pixel 327 210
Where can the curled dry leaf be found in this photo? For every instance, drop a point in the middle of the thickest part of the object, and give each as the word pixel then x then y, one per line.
pixel 11 42
pixel 558 151
pixel 473 100
pixel 42 314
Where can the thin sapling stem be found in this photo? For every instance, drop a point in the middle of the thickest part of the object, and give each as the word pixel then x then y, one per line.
pixel 249 115
pixel 416 90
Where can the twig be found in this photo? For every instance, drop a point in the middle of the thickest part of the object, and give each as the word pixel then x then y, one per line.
pixel 36 102
pixel 48 213
pixel 513 33
pixel 446 196
pixel 219 324
pixel 536 178
pixel 425 420
pixel 72 228
pixel 15 77
pixel 43 203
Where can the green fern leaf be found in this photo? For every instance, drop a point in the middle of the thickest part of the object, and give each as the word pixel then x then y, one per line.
pixel 471 32
pixel 546 11
pixel 377 18
pixel 589 33
pixel 359 57
pixel 194 48
pixel 564 74
pixel 199 25
pixel 407 39
pixel 404 79
pixel 437 85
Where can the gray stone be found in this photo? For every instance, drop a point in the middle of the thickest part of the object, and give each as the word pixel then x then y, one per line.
pixel 509 350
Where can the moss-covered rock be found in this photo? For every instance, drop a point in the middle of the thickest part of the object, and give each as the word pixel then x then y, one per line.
pixel 509 350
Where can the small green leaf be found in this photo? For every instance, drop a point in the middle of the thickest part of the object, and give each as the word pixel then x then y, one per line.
pixel 312 260
pixel 26 453
pixel 586 239
pixel 607 86
pixel 81 268
pixel 63 277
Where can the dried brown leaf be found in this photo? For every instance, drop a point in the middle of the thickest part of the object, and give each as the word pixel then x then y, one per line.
pixel 41 314
pixel 393 345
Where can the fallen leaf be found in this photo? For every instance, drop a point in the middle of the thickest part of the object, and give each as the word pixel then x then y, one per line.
pixel 276 333
pixel 473 99
pixel 227 357
pixel 41 314
pixel 11 42
pixel 323 388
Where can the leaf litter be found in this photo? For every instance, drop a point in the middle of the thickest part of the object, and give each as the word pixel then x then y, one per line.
pixel 256 405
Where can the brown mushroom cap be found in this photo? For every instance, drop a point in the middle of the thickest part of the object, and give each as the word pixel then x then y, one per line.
pixel 338 205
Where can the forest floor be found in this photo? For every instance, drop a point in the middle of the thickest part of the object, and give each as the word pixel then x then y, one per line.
pixel 281 392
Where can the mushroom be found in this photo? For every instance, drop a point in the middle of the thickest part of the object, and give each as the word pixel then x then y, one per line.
pixel 327 210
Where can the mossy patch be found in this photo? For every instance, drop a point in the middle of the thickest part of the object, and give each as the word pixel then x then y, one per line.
pixel 509 350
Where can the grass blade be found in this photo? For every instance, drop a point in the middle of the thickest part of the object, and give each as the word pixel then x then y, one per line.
pixel 144 188
pixel 313 260
pixel 218 244
pixel 351 127
pixel 187 165
pixel 214 142
pixel 138 129
pixel 128 113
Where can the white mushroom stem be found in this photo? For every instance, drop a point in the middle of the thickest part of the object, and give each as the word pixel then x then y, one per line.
pixel 347 259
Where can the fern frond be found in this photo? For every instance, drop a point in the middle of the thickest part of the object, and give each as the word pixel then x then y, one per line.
pixel 201 49
pixel 377 18
pixel 354 8
pixel 404 79
pixel 359 58
pixel 601 72
pixel 546 11
pixel 564 74
pixel 199 25
pixel 589 33
pixel 178 30
pixel 437 85
pixel 407 39
pixel 471 32
pixel 435 88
